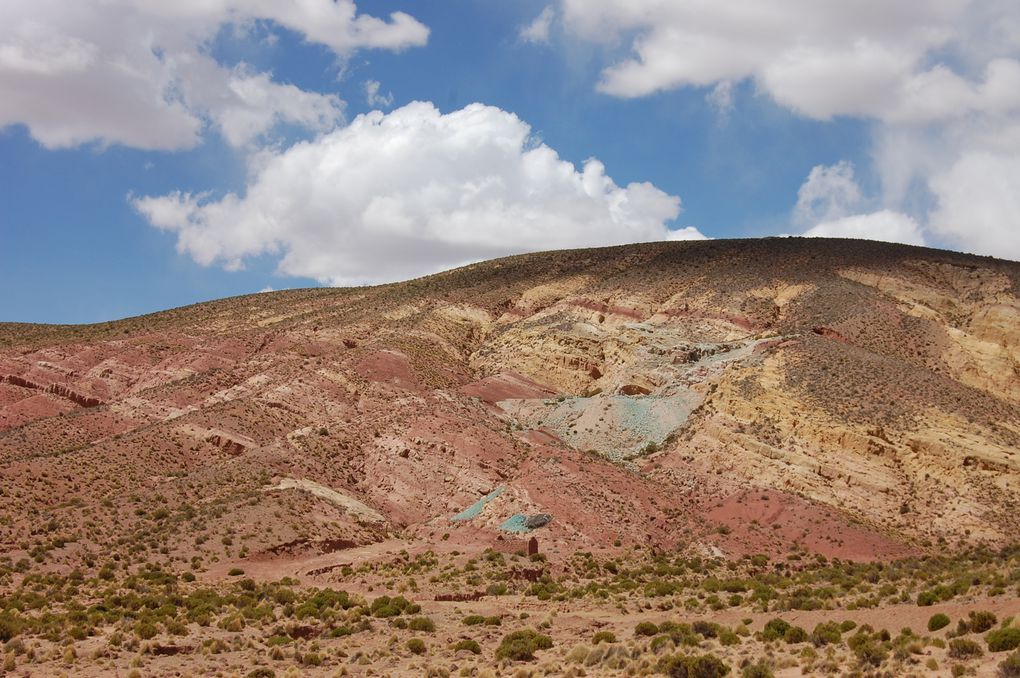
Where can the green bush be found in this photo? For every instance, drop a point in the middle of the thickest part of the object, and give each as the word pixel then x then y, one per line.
pixel 603 637
pixel 964 648
pixel 10 626
pixel 759 669
pixel 422 624
pixel 473 620
pixel 871 652
pixel 146 630
pixel 646 629
pixel 981 621
pixel 938 621
pixel 1002 640
pixel 693 666
pixel 416 646
pixel 795 634
pixel 705 629
pixel 774 629
pixel 521 645
pixel 471 646
pixel 235 572
pixel 867 648
pixel 728 637
pixel 826 633
pixel 384 606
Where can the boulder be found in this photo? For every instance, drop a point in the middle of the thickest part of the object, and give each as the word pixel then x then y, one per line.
pixel 538 520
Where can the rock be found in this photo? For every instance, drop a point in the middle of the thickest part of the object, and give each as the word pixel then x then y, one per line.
pixel 538 520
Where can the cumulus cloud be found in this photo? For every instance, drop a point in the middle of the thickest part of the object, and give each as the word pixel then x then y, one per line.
pixel 538 30
pixel 139 73
pixel 978 205
pixel 831 204
pixel 938 79
pixel 830 192
pixel 412 192
pixel 884 225
pixel 686 233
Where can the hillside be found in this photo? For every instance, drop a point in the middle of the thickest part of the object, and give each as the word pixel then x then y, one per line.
pixel 832 398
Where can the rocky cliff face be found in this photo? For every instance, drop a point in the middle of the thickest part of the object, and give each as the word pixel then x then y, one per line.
pixel 855 399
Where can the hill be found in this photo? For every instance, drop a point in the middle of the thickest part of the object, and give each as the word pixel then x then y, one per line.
pixel 779 398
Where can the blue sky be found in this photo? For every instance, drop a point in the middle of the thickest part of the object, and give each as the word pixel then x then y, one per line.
pixel 103 216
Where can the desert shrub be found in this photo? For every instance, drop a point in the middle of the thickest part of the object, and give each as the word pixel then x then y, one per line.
pixel 867 648
pixel 1001 640
pixel 826 633
pixel 416 646
pixel 774 629
pixel 1010 666
pixel 660 642
pixel 10 626
pixel 728 637
pixel 693 666
pixel 261 672
pixel 384 606
pixel 680 634
pixel 422 624
pixel 473 620
pixel 603 637
pixel 471 646
pixel 235 572
pixel 795 634
pixel 705 629
pixel 312 659
pixel 871 652
pixel 146 630
pixel 646 629
pixel 522 645
pixel 981 621
pixel 759 669
pixel 964 648
pixel 938 621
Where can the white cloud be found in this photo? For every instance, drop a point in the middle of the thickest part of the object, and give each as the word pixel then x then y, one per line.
pixel 820 59
pixel 938 79
pixel 538 30
pixel 830 192
pixel 830 202
pixel 978 205
pixel 721 97
pixel 686 233
pixel 884 225
pixel 373 98
pixel 412 192
pixel 139 73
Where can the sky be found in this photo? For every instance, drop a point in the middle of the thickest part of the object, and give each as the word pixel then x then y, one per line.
pixel 158 154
